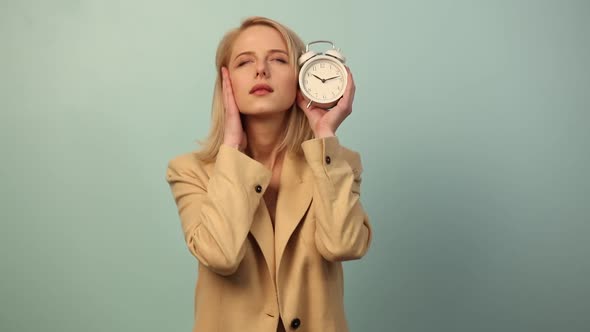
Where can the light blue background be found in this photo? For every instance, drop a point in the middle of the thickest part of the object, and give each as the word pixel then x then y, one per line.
pixel 472 118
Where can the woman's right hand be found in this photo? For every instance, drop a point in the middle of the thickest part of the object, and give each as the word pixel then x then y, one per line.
pixel 234 134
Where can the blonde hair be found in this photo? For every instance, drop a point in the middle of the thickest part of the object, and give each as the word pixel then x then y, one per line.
pixel 297 130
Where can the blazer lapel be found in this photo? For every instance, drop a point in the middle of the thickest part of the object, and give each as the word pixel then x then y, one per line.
pixel 262 231
pixel 295 193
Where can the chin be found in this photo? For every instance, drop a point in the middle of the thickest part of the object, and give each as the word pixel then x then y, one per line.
pixel 264 108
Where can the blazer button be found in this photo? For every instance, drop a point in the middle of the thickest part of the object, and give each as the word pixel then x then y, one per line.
pixel 258 189
pixel 295 323
pixel 328 160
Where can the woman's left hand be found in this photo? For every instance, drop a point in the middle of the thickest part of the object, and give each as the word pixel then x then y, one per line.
pixel 325 122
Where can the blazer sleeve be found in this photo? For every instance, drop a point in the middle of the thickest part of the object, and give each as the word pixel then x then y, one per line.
pixel 343 231
pixel 216 213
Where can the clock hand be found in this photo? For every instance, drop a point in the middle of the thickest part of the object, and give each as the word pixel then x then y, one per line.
pixel 319 78
pixel 331 78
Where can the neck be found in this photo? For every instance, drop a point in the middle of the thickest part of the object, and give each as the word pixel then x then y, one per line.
pixel 264 135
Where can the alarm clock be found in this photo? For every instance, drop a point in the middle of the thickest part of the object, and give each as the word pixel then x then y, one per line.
pixel 322 76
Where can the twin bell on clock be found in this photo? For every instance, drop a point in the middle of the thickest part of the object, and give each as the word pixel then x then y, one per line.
pixel 323 76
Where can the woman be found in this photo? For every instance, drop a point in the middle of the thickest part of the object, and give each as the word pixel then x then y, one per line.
pixel 270 206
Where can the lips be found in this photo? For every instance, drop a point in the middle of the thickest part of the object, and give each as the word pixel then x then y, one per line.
pixel 261 88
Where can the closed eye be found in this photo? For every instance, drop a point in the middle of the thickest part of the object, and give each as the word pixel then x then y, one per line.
pixel 281 60
pixel 241 63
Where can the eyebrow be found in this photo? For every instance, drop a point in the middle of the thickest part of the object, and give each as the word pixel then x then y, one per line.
pixel 270 51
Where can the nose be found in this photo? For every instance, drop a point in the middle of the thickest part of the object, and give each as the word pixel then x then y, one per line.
pixel 262 70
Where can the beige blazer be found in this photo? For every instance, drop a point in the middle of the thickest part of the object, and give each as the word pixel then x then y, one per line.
pixel 250 275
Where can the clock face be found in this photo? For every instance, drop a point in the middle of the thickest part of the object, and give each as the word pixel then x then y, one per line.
pixel 323 80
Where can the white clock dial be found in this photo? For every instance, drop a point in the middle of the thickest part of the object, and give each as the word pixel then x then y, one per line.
pixel 323 80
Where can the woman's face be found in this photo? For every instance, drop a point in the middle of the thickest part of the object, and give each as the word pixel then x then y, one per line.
pixel 262 78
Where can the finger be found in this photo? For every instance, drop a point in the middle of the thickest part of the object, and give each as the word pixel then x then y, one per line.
pixel 233 126
pixel 350 87
pixel 353 92
pixel 225 88
pixel 228 94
